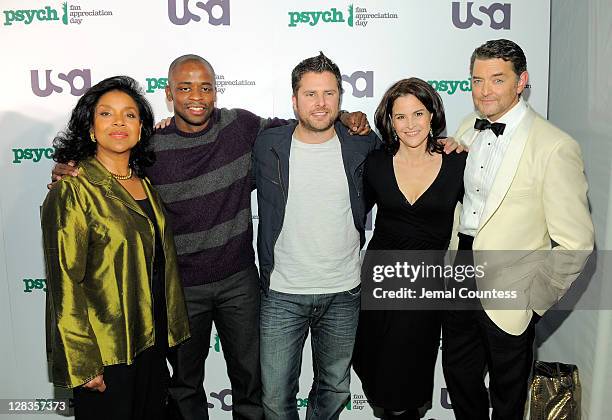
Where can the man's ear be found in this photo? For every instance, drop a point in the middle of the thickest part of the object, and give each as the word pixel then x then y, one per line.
pixel 168 93
pixel 522 82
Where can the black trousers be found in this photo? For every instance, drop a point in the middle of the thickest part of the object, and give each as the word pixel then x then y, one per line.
pixel 233 304
pixel 472 344
pixel 133 392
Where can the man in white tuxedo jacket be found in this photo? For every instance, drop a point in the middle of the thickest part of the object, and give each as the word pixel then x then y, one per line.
pixel 525 190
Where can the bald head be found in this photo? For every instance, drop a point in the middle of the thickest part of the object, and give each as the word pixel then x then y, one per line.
pixel 189 58
pixel 192 90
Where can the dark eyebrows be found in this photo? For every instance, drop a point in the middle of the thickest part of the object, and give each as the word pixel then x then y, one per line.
pixel 315 90
pixel 193 83
pixel 129 107
pixel 403 113
pixel 493 75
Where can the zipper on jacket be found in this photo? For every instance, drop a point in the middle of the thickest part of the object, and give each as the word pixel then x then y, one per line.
pixel 355 182
pixel 280 178
pixel 280 175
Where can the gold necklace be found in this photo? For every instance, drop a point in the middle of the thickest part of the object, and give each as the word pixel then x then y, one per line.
pixel 123 177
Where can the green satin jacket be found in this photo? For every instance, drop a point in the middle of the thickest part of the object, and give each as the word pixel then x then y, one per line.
pixel 99 248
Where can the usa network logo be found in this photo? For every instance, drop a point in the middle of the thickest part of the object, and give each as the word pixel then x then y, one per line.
pixel 216 11
pixel 361 82
pixel 498 15
pixel 445 401
pixel 78 80
pixel 224 397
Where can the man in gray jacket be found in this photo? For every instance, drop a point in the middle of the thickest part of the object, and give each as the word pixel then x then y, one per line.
pixel 311 228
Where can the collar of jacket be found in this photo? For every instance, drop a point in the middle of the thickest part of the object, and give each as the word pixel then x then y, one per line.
pixel 350 145
pixel 97 174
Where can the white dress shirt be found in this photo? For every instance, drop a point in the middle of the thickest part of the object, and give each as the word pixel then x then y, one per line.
pixel 483 161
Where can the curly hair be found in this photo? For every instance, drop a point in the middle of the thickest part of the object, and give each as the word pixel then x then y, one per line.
pixel 74 143
pixel 428 97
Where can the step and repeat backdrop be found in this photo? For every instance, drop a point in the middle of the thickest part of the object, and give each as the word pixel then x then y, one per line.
pixel 53 51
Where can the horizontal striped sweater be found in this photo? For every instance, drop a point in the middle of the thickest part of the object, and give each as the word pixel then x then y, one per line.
pixel 205 183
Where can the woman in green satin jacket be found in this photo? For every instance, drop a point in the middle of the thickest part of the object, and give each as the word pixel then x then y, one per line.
pixel 114 295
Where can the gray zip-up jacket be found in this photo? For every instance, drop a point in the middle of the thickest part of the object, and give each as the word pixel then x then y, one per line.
pixel 271 172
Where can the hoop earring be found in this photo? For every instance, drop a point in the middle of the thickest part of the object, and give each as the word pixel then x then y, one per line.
pixel 92 136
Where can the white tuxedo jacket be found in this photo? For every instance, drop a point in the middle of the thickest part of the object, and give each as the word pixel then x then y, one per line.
pixel 539 194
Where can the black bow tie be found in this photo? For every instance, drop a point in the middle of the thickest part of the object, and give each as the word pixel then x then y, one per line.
pixel 496 128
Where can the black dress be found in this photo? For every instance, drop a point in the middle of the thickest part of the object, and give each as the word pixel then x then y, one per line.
pixel 395 351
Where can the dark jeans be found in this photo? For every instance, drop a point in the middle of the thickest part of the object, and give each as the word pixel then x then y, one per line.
pixel 286 320
pixel 233 304
pixel 133 392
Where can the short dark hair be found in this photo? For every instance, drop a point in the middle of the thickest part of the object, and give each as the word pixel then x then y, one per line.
pixel 189 57
pixel 428 97
pixel 317 64
pixel 74 143
pixel 504 49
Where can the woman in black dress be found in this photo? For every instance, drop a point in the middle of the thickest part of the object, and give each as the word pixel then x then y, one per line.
pixel 416 188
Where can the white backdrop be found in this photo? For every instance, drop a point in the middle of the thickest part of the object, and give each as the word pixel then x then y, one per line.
pixel 52 51
pixel 580 103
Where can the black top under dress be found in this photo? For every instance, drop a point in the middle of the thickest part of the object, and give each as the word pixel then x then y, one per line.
pixel 395 351
pixel 158 284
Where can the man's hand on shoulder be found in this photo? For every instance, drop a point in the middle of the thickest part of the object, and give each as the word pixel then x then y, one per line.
pixel 357 122
pixel 450 144
pixel 60 170
pixel 163 123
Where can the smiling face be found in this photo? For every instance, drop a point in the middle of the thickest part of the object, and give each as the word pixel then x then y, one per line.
pixel 496 87
pixel 192 90
pixel 317 101
pixel 116 124
pixel 411 121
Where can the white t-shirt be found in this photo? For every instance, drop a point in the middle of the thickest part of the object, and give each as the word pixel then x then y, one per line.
pixel 317 250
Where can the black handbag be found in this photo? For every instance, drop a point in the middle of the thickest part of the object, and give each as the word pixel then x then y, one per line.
pixel 555 392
